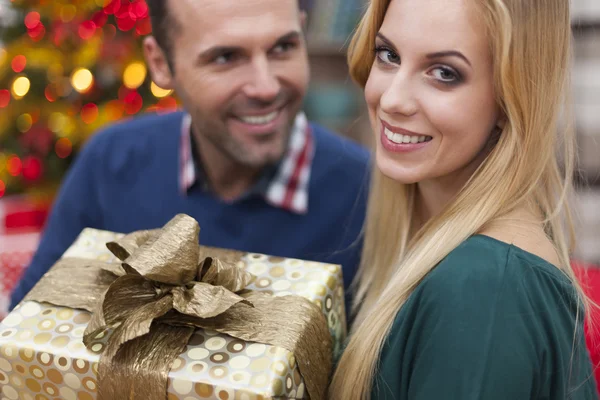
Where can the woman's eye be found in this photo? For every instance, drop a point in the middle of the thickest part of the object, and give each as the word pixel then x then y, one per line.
pixel 445 75
pixel 387 56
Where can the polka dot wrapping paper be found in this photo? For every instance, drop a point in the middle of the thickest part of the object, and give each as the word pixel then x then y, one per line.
pixel 42 356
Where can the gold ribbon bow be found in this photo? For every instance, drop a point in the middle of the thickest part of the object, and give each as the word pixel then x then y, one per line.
pixel 161 293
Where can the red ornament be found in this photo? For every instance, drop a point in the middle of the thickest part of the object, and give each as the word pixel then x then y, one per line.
pixel 32 168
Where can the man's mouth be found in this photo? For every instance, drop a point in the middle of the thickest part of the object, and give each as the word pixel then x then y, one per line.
pixel 259 119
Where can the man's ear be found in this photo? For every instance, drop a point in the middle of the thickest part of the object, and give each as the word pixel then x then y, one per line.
pixel 158 64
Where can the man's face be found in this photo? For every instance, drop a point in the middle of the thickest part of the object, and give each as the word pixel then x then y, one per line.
pixel 241 70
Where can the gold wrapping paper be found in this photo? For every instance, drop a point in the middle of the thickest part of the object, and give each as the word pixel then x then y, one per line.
pixel 239 308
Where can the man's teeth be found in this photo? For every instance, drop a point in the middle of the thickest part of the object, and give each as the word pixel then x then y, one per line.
pixel 260 120
pixel 400 139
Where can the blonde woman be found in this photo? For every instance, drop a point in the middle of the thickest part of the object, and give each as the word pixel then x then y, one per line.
pixel 465 289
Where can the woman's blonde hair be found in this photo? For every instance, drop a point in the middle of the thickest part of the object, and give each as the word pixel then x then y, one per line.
pixel 530 42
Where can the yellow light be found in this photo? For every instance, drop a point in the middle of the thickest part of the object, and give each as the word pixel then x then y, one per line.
pixel 82 80
pixel 20 87
pixel 57 122
pixel 67 13
pixel 159 92
pixel 102 3
pixel 2 56
pixel 134 75
pixel 24 122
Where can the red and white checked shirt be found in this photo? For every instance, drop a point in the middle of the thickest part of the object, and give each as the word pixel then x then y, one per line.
pixel 288 189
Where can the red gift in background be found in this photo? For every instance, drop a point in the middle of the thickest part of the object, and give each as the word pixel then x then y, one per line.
pixel 21 222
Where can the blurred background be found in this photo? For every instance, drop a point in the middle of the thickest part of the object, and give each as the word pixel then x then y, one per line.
pixel 67 68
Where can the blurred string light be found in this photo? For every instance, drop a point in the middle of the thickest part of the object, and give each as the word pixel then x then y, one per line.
pixel 82 80
pixel 79 95
pixel 57 122
pixel 89 113
pixel 14 166
pixel 4 98
pixel 19 63
pixel 20 87
pixel 159 92
pixel 63 147
pixel 24 122
pixel 134 75
pixel 68 13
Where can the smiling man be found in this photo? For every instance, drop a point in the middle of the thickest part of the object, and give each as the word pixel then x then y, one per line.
pixel 241 159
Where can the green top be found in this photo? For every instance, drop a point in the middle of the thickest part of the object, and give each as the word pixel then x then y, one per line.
pixel 491 321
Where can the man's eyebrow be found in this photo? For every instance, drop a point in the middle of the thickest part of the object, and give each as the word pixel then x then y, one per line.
pixel 216 51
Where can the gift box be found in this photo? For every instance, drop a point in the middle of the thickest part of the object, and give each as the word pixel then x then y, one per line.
pixel 43 355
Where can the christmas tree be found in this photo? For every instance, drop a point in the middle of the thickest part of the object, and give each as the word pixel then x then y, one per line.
pixel 67 68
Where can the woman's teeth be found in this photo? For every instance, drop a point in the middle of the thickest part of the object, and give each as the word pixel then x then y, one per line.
pixel 401 139
pixel 260 119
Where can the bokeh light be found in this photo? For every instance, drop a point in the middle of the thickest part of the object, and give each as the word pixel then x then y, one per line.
pixel 57 122
pixel 32 19
pixel 82 80
pixel 32 168
pixel 20 87
pixel 159 92
pixel 63 147
pixel 87 29
pixel 135 75
pixel 2 188
pixel 19 63
pixel 4 98
pixel 14 165
pixel 67 13
pixel 89 113
pixel 24 122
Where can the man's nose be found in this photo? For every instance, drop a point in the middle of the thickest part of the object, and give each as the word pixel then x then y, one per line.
pixel 264 84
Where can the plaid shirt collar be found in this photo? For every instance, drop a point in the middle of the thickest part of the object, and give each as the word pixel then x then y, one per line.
pixel 285 188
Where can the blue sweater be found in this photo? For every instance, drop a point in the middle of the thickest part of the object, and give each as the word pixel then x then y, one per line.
pixel 126 178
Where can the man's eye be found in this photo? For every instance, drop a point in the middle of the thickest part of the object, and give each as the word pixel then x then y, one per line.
pixel 225 58
pixel 283 48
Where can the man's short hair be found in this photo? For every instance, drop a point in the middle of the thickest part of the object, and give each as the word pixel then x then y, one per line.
pixel 163 25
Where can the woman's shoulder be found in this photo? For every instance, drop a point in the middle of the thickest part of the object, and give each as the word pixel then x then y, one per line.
pixel 488 267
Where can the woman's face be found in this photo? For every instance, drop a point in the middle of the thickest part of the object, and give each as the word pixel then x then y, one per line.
pixel 430 93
